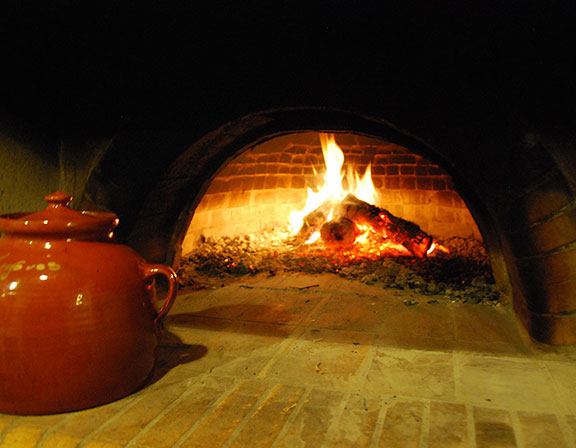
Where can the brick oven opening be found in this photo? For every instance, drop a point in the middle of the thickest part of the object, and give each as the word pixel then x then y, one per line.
pixel 261 214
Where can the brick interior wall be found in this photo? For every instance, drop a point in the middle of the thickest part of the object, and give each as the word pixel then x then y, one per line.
pixel 259 188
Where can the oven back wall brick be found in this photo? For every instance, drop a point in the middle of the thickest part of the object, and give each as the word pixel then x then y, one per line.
pixel 258 189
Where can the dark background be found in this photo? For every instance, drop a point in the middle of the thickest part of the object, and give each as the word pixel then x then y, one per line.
pixel 82 68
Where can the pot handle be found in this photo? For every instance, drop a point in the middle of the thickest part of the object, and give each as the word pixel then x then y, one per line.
pixel 149 271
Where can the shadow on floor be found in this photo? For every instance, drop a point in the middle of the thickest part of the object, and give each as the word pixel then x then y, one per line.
pixel 173 352
pixel 244 312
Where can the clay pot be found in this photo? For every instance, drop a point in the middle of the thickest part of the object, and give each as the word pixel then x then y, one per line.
pixel 78 322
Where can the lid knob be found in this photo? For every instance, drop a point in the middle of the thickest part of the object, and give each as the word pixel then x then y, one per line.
pixel 58 199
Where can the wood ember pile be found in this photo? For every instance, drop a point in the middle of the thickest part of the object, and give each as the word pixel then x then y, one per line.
pixel 350 214
pixel 463 275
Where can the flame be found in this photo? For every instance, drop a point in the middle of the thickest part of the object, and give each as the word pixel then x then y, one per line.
pixel 315 237
pixel 332 189
pixel 437 247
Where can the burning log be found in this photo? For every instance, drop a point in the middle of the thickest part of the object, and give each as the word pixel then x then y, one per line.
pixel 350 213
pixel 396 229
pixel 313 221
pixel 339 233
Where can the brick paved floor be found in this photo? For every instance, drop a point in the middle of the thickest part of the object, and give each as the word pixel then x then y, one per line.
pixel 312 361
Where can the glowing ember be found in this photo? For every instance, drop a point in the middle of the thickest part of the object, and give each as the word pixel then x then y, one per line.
pixel 346 218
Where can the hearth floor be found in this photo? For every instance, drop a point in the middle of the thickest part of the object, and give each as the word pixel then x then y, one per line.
pixel 299 360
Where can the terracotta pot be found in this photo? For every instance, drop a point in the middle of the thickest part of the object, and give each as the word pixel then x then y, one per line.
pixel 78 323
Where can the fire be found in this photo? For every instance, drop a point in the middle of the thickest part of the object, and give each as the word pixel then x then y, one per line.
pixel 333 188
pixel 348 218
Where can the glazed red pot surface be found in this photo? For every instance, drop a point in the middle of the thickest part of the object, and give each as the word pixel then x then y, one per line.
pixel 79 326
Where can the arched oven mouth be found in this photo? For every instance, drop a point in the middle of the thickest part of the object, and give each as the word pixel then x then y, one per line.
pixel 356 206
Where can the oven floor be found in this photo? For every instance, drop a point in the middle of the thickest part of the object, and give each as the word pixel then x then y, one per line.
pixel 300 360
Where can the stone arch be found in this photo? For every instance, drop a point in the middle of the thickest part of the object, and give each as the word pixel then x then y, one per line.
pixel 533 198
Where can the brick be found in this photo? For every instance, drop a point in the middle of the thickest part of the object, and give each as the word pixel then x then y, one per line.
pixel 407 169
pixel 59 440
pixel 235 183
pixel 102 444
pixel 296 170
pixel 493 428
pixel 415 197
pixel 259 182
pixel 240 199
pixel 571 421
pixel 172 425
pixel 285 158
pixel 247 157
pixel 554 268
pixel 392 170
pixel 6 421
pixel 379 170
pixel 381 159
pixel 282 196
pixel 356 150
pixel 397 210
pixel 541 430
pixel 283 181
pixel 459 203
pixel 272 415
pixel 448 426
pixel 23 436
pixel 273 169
pixel 402 425
pixel 554 233
pixel 218 185
pixel 543 201
pixel 393 183
pixel 128 424
pixel 551 329
pixel 297 149
pixel 421 170
pixel 261 168
pixel 444 215
pixel 247 183
pixel 217 201
pixel 314 151
pixel 270 182
pixel 378 182
pixel 227 170
pixel 284 169
pixel 215 428
pixel 424 183
pixel 351 160
pixel 357 423
pixel 403 159
pixel 408 183
pixel 313 419
pixel 314 182
pixel 247 170
pixel 433 169
pixel 366 160
pixel 201 219
pixel 271 158
pixel 439 184
pixel 553 297
pixel 445 198
pixel 298 182
pixel 80 424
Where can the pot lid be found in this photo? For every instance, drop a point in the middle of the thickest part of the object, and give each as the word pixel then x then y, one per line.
pixel 58 220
